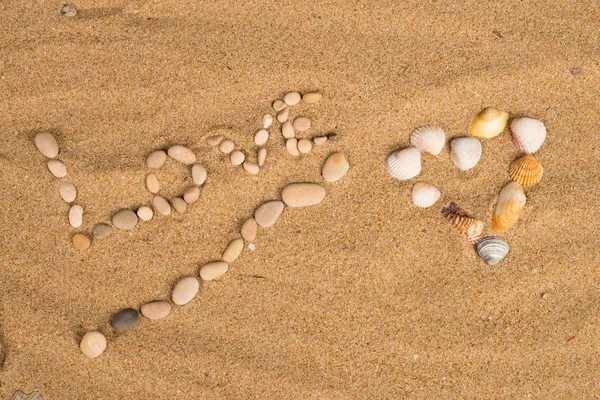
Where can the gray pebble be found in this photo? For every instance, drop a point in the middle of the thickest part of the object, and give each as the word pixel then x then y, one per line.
pixel 125 319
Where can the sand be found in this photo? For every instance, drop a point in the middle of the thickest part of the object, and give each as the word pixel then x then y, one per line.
pixel 360 297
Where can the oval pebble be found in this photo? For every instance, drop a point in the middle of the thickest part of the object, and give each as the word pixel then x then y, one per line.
pixel 81 242
pixel 76 216
pixel 261 156
pixel 301 124
pixel 292 98
pixel 125 319
pixel 227 146
pixel 161 205
pixel 291 145
pixel 185 290
pixel 102 231
pixel 213 270
pixel 335 167
pixel 156 159
pixel 152 183
pixel 233 251
pixel 278 105
pixel 179 204
pixel 191 194
pixel 283 115
pixel 46 144
pixel 145 213
pixel 156 310
pixel 312 97
pixel 267 121
pixel 125 220
pixel 320 140
pixel 287 130
pixel 214 140
pixel 182 154
pixel 68 10
pixel 304 146
pixel 261 137
pixel 251 168
pixel 198 174
pixel 249 230
pixel 332 137
pixel 93 344
pixel 267 214
pixel 237 158
pixel 57 168
pixel 67 192
pixel 303 194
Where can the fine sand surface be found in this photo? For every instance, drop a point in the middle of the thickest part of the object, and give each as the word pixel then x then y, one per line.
pixel 360 297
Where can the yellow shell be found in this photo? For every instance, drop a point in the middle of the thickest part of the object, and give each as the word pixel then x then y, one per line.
pixel 489 123
pixel 526 170
pixel 508 207
pixel 469 227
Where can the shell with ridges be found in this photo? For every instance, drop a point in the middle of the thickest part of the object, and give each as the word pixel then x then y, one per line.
pixel 526 170
pixel 465 153
pixel 18 395
pixel 508 207
pixel 528 134
pixel 429 139
pixel 425 194
pixel 404 164
pixel 492 249
pixel 469 227
pixel 489 123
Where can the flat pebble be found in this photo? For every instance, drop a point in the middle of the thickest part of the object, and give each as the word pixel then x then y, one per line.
pixel 278 105
pixel 152 183
pixel 312 97
pixel 156 310
pixel 161 205
pixel 179 204
pixel 93 344
pixel 156 159
pixel 67 192
pixel 145 213
pixel 335 167
pixel 303 194
pixel 292 98
pixel 304 146
pixel 261 137
pixel 182 154
pixel 125 319
pixel 233 251
pixel 291 145
pixel 68 10
pixel 287 130
pixel 227 146
pixel 262 156
pixel 81 242
pixel 46 144
pixel 251 168
pixel 249 230
pixel 214 140
pixel 57 168
pixel 301 124
pixel 185 290
pixel 319 140
pixel 213 270
pixel 267 214
pixel 76 216
pixel 102 231
pixel 283 115
pixel 267 121
pixel 199 174
pixel 125 220
pixel 237 158
pixel 191 194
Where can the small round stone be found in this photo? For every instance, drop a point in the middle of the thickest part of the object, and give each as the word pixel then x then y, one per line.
pixel 267 214
pixel 161 205
pixel 152 183
pixel 262 156
pixel 81 242
pixel 76 216
pixel 283 115
pixel 237 158
pixel 278 105
pixel 267 121
pixel 185 290
pixel 233 251
pixel 57 168
pixel 304 146
pixel 191 194
pixel 67 192
pixel 125 220
pixel 319 140
pixel 251 168
pixel 227 146
pixel 214 140
pixel 287 130
pixel 335 167
pixel 312 97
pixel 261 137
pixel 145 213
pixel 179 204
pixel 182 154
pixel 332 137
pixel 291 145
pixel 125 319
pixel 156 159
pixel 102 231
pixel 156 310
pixel 249 230
pixel 198 174
pixel 46 144
pixel 213 270
pixel 68 10
pixel 302 194
pixel 292 98
pixel 301 124
pixel 93 344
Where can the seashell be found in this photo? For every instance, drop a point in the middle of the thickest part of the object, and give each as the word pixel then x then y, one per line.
pixel 469 227
pixel 425 194
pixel 489 123
pixel 465 153
pixel 526 170
pixel 508 207
pixel 404 164
pixel 18 395
pixel 492 249
pixel 429 139
pixel 528 134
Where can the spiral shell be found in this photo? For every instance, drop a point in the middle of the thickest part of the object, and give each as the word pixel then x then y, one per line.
pixel 492 249
pixel 429 139
pixel 526 170
pixel 469 227
pixel 465 153
pixel 489 123
pixel 508 207
pixel 404 164
pixel 528 134
pixel 425 194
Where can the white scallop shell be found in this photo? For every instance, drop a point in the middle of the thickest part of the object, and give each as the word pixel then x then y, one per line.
pixel 404 164
pixel 492 249
pixel 429 139
pixel 466 152
pixel 425 194
pixel 528 134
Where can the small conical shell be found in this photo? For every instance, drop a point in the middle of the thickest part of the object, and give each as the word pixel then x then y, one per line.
pixel 404 164
pixel 429 139
pixel 425 194
pixel 489 123
pixel 492 249
pixel 526 170
pixel 528 134
pixel 466 152
pixel 469 227
pixel 508 207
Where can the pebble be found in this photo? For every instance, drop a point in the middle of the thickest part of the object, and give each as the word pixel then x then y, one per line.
pixel 283 115
pixel 304 146
pixel 179 204
pixel 303 194
pixel 76 216
pixel 156 310
pixel 267 121
pixel 332 137
pixel 46 144
pixel 291 145
pixel 261 137
pixel 199 174
pixel 267 214
pixel 213 270
pixel 237 158
pixel 125 220
pixel 185 290
pixel 161 205
pixel 125 319
pixel 335 167
pixel 152 183
pixel 312 97
pixel 233 251
pixel 156 159
pixel 575 71
pixel 249 230
pixel 292 98
pixel 252 246
pixel 81 242
pixel 214 140
pixel 68 10
pixel 102 231
pixel 301 124
pixel 93 344
pixel 287 130
pixel 320 140
pixel 57 168
pixel 227 146
pixel 182 154
pixel 251 168
pixel 262 156
pixel 278 105
pixel 145 213
pixel 191 194
pixel 67 191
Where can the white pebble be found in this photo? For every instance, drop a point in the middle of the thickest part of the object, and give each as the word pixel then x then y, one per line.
pixel 156 159
pixel 198 174
pixel 237 158
pixel 304 146
pixel 76 216
pixel 182 154
pixel 262 156
pixel 267 121
pixel 302 124
pixel 145 213
pixel 214 140
pixel 46 144
pixel 252 246
pixel 287 130
pixel 320 140
pixel 57 168
pixel 192 194
pixel 67 191
pixel 291 145
pixel 292 98
pixel 152 183
pixel 227 146
pixel 261 137
pixel 213 270
pixel 312 98
pixel 161 205
pixel 179 204
pixel 283 115
pixel 278 105
pixel 185 290
pixel 251 168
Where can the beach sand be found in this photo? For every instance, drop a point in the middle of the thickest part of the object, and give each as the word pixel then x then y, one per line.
pixel 360 297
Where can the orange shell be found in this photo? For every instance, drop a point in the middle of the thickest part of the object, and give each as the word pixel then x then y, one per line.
pixel 469 227
pixel 526 170
pixel 511 202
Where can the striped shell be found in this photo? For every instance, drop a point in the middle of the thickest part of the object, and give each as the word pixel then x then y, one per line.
pixel 528 134
pixel 469 227
pixel 18 395
pixel 492 249
pixel 508 207
pixel 404 164
pixel 429 139
pixel 465 153
pixel 526 170
pixel 425 194
pixel 489 123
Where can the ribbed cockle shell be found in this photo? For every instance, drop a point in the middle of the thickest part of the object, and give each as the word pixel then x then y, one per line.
pixel 404 164
pixel 492 249
pixel 508 207
pixel 528 134
pixel 429 139
pixel 526 170
pixel 425 194
pixel 489 123
pixel 465 153
pixel 469 227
